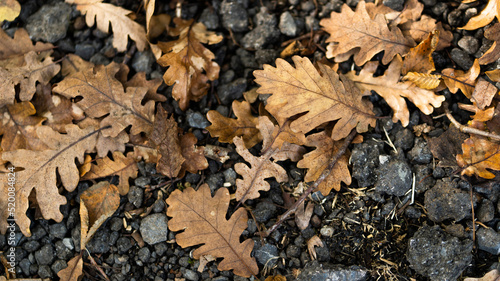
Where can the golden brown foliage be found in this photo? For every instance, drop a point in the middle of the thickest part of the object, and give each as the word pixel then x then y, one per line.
pixel 479 154
pixel 493 53
pixel 489 12
pixel 456 79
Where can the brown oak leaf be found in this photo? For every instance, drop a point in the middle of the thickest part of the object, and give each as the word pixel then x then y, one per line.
pixel 245 125
pixel 494 75
pixel 422 80
pixel 56 109
pixel 322 96
pixel 12 50
pixel 317 160
pixel 42 170
pixel 479 154
pixel 190 64
pixel 493 53
pixel 493 275
pixel 483 94
pixel 419 59
pixel 104 96
pixel 356 30
pixel 203 221
pixel 456 79
pixel 123 167
pixel 487 15
pixel 73 271
pixel 446 147
pixel 394 92
pixel 194 155
pixel 411 12
pixel 165 138
pixel 105 14
pixel 418 30
pixel 303 215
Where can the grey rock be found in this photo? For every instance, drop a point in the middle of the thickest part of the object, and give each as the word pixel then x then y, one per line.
pixel 99 243
pixel 75 236
pixel 85 50
pixel 293 251
pixel 31 246
pixel 439 9
pixel 25 266
pixel 143 61
pixel 266 255
pixel 486 211
pixel 115 224
pixel 461 58
pixel 234 16
pixel 196 120
pixel 488 240
pixel 397 5
pixel 142 181
pixel 420 153
pixel 160 248
pixel 263 17
pixel 191 275
pixel 144 254
pixel 124 244
pixel 429 2
pixel 413 212
pixel 226 77
pixel 287 24
pixel 315 271
pixel 135 196
pixel 311 23
pixel 455 18
pixel 265 56
pixel 323 253
pixel 159 206
pixel 469 44
pixel 423 181
pixel 50 23
pixel 443 202
pixel 294 2
pixel 404 139
pixel 264 211
pixel 58 265
pixel 307 6
pixel 440 256
pixel 215 181
pixel 364 159
pixel 99 58
pixel 209 18
pixel 44 271
pixel 232 91
pixel 154 228
pixel 45 255
pixel 38 232
pixel 394 178
pixel 58 230
pixel 456 230
pixel 246 58
pixel 62 251
pixel 260 37
pixel 230 176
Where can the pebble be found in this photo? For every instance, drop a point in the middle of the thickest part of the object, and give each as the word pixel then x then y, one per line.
pixel 461 58
pixel 50 23
pixel 135 196
pixel 58 265
pixel 266 56
pixel 197 120
pixel 45 255
pixel 191 275
pixel 124 244
pixel 486 211
pixel 396 5
pixel 423 178
pixel 314 271
pixel 266 255
pixel 62 251
pixel 85 50
pixel 327 231
pixel 264 211
pixel 154 228
pixel 215 181
pixel 443 202
pixel 25 266
pixel 287 24
pixel 260 37
pixel 246 58
pixel 435 254
pixel 439 9
pixel 364 159
pixel 232 91
pixel 209 18
pixel 420 153
pixel 143 61
pixel 230 176
pixel 44 271
pixel 394 178
pixel 455 18
pixel 58 230
pixel 144 254
pixel 234 16
pixel 404 139
pixel 488 240
pixel 99 243
pixel 31 246
pixel 469 44
pixel 292 251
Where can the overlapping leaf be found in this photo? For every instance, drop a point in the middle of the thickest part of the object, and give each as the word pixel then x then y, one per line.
pixel 479 155
pixel 456 79
pixel 487 15
pixel 493 53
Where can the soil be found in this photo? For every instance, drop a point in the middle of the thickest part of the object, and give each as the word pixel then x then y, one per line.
pixel 369 231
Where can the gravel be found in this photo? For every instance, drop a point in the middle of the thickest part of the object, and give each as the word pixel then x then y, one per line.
pixel 444 201
pixel 154 228
pixel 315 271
pixel 50 23
pixel 488 240
pixel 394 178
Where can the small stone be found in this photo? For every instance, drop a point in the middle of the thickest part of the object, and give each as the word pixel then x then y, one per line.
pixel 307 6
pixel 45 255
pixel 486 211
pixel 142 181
pixel 439 9
pixel 404 139
pixel 327 231
pixel 143 61
pixel 215 181
pixel 99 58
pixel 364 159
pixel 209 18
pixel 265 56
pixel 50 23
pixel 144 254
pixel 455 18
pixel 232 91
pixel 191 275
pixel 63 252
pixel 444 202
pixel 234 16
pixel 260 37
pixel 429 2
pixel 154 228
pixel 394 178
pixel 135 196
pixel 58 230
pixel 197 120
pixel 488 240
pixel 413 212
pixel 420 153
pixel 25 266
pixel 461 58
pixel 230 176
pixel 31 246
pixel 124 244
pixel 85 50
pixel 287 25
pixel 396 5
pixel 267 255
pixel 99 244
pixel 293 251
pixel 58 265
pixel 159 206
pixel 469 44
pixel 44 271
pixel 264 211
pixel 315 271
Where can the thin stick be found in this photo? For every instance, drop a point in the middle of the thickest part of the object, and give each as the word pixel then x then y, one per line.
pixel 468 130
pixel 315 185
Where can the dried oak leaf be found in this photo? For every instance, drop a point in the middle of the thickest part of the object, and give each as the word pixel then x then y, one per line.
pixel 457 79
pixel 483 94
pixel 418 31
pixel 9 10
pixel 40 174
pixel 203 220
pixel 494 75
pixel 317 160
pixel 394 92
pixel 446 147
pixel 411 12
pixel 422 80
pixel 303 215
pixel 356 30
pixel 245 125
pixel 322 95
pixel 194 155
pixel 314 241
pixel 73 271
pixel 12 50
pixel 18 127
pixel 105 14
pixel 187 59
pixel 104 96
pixel 479 154
pixel 123 167
pixel 487 15
pixel 165 137
pixel 26 76
pixel 493 275
pixel 493 53
pixel 419 59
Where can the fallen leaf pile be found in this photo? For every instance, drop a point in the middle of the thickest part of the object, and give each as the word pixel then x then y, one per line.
pixel 69 120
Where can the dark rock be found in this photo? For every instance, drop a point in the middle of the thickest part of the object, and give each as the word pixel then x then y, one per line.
pixel 246 58
pixel 264 34
pixel 420 153
pixel 394 178
pixel 196 120
pixel 461 58
pixel 99 58
pixel 58 265
pixel 429 2
pixel 440 8
pixel 135 196
pixel 159 206
pixel 154 228
pixel 456 230
pixel 264 211
pixel 58 230
pixel 469 44
pixel 307 6
pixel 267 255
pixel 99 243
pixel 230 176
pixel 50 23
pixel 209 18
pixel 364 159
pixel 266 56
pixel 73 218
pixel 160 248
pixel 396 5
pixel 488 240
pixel 423 178
pixel 232 91
pixel 44 271
pixel 455 18
pixel 311 23
pixel 444 202
pixel 85 50
pixel 25 266
pixel 45 255
pixel 435 254
pixel 287 25
pixel 115 224
pixel 31 246
pixel 124 244
pixel 215 181
pixel 38 232
pixel 314 271
pixel 234 16
pixel 144 254
pixel 486 211
pixel 413 212
pixel 142 181
pixel 226 78
pixel 404 139
pixel 292 251
pixel 62 251
pixel 143 61
pixel 323 253
pixel 191 275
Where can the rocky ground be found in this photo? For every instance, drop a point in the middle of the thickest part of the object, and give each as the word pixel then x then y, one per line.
pixel 371 233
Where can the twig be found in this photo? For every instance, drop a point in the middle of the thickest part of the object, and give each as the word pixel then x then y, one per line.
pixel 315 185
pixel 466 129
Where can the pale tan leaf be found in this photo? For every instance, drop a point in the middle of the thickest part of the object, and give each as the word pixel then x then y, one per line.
pixel 9 10
pixel 203 221
pixel 479 154
pixel 411 12
pixel 12 50
pixel 418 30
pixel 493 53
pixel 73 271
pixel 314 241
pixel 457 79
pixel 494 75
pixel 73 64
pixel 483 94
pixel 422 80
pixel 493 275
pixel 303 215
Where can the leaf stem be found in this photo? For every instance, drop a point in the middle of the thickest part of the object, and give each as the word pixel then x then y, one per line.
pixel 315 185
pixel 466 129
